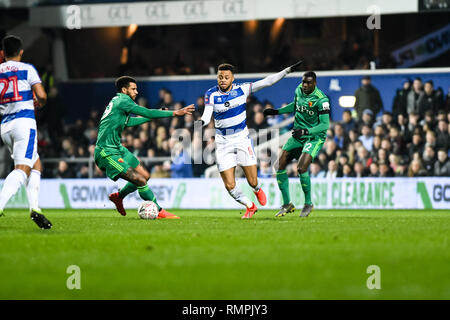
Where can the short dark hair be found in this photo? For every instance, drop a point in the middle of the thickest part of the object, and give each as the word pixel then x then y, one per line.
pixel 11 46
pixel 311 74
pixel 225 66
pixel 124 82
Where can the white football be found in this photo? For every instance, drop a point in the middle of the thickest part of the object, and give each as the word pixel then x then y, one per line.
pixel 148 210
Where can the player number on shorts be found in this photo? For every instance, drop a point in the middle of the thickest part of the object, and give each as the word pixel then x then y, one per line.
pixel 308 146
pixel 5 84
pixel 107 110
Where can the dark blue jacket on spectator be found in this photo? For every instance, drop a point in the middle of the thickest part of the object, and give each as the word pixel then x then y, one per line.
pixel 181 166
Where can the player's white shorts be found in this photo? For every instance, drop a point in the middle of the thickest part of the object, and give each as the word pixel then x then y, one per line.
pixel 21 140
pixel 234 152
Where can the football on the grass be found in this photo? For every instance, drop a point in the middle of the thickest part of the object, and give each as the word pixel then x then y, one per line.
pixel 148 210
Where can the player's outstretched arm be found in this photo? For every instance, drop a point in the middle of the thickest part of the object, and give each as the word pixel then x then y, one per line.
pixel 286 109
pixel 274 78
pixel 153 114
pixel 186 110
pixel 206 116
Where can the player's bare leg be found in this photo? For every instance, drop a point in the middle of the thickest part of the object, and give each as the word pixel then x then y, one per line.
pixel 130 187
pixel 33 177
pixel 283 183
pixel 228 178
pixel 303 164
pixel 251 173
pixel 140 181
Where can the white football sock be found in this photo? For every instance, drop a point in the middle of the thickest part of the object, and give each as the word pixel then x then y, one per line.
pixel 258 186
pixel 34 182
pixel 12 184
pixel 240 197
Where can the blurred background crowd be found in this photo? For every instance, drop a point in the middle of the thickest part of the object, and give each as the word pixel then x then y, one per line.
pixel 412 140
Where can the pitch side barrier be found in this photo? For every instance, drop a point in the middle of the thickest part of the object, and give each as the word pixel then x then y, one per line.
pixel 339 193
pixel 188 88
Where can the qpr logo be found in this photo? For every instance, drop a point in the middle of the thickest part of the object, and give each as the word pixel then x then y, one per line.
pixel 194 9
pixel 233 7
pixel 156 11
pixel 119 12
pixel 233 94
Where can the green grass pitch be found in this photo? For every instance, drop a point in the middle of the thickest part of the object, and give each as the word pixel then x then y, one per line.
pixel 216 255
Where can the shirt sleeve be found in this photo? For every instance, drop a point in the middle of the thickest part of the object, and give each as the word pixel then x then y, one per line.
pixel 324 116
pixel 147 113
pixel 268 81
pixel 209 108
pixel 33 76
pixel 323 106
pixel 287 109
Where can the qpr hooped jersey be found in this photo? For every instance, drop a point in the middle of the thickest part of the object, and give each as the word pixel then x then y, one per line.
pixel 229 109
pixel 16 96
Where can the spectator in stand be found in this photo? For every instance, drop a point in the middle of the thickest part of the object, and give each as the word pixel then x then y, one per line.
pixel 399 105
pixel 332 170
pixel 363 157
pixel 366 137
pixel 398 145
pixel 447 102
pixel 385 170
pixel 330 150
pixel 353 136
pixel 413 122
pixel 181 161
pixel 430 139
pixel 414 98
pixel 416 169
pixel 382 156
pixel 402 123
pixel 347 171
pixel 63 171
pixel 428 123
pixel 162 92
pixel 431 100
pixel 158 171
pixel 264 171
pixel 376 146
pixel 348 123
pixel 442 135
pixel 374 170
pixel 442 165
pixel 339 136
pixel 367 97
pixel 367 119
pixel 429 158
pixel 402 169
pixel 316 171
pixel 259 121
pixel 359 170
pixel 387 120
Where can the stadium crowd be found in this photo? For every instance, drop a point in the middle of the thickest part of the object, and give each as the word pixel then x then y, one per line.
pixel 412 140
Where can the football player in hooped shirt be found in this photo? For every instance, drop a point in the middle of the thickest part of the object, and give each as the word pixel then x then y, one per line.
pixel 312 119
pixel 226 102
pixel 21 91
